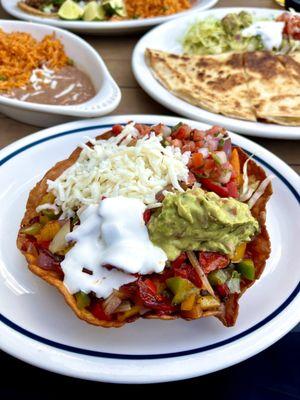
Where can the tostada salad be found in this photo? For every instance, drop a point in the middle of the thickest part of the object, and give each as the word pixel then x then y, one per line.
pixel 241 32
pixel 152 222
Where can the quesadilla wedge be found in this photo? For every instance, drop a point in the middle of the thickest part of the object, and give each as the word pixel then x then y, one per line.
pixel 35 10
pixel 150 222
pixel 215 83
pixel 274 91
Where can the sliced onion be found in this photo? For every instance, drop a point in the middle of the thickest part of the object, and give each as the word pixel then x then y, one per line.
pixel 166 131
pixel 227 148
pixel 199 270
pixel 245 187
pixel 124 306
pixel 212 143
pixel 111 303
pixel 59 242
pixel 204 151
pixel 221 156
pixel 226 177
pixel 249 192
pixel 260 191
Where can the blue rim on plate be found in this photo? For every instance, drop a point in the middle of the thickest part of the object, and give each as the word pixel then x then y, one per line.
pixel 77 350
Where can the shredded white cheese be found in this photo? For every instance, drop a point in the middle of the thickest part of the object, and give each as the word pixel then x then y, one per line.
pixel 115 167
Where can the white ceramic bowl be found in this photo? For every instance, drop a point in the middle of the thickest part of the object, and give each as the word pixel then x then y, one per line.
pixel 102 27
pixel 107 96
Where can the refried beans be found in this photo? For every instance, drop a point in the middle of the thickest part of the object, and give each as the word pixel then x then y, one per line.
pixel 67 86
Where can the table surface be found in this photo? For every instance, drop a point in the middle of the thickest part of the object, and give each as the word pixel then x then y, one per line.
pixel 116 52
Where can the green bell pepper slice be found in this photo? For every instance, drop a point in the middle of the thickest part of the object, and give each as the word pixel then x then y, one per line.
pixel 218 277
pixel 32 229
pixel 83 300
pixel 247 269
pixel 181 288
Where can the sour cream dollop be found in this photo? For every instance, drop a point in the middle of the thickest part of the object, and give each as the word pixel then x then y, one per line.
pixel 110 233
pixel 269 31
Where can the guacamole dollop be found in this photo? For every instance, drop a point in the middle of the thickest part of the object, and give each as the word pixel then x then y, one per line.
pixel 199 220
pixel 215 36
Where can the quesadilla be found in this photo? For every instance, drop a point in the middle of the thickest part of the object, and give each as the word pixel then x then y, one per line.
pixel 251 86
pixel 215 83
pixel 273 88
pixel 150 222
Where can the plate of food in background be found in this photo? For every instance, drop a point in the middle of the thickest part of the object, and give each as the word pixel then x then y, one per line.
pixel 237 67
pixel 86 249
pixel 103 16
pixel 52 76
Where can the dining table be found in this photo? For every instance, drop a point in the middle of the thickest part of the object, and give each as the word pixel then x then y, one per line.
pixel 270 374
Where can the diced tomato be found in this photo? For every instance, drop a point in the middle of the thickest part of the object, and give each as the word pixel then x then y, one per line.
pixel 147 216
pixel 183 132
pixel 209 165
pixel 216 173
pixel 210 261
pixel 153 301
pixel 214 130
pixel 97 310
pixel 189 145
pixel 197 135
pixel 214 187
pixel 44 244
pixel 232 189
pixel 292 24
pixel 179 260
pixel 191 179
pixel 197 160
pixel 151 285
pixel 223 290
pixel 157 129
pixel 143 129
pixel 187 271
pixel 117 129
pixel 199 144
pixel 167 273
pixel 176 143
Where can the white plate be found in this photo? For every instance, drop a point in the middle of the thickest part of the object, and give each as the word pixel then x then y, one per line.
pixel 107 96
pixel 167 37
pixel 37 326
pixel 102 27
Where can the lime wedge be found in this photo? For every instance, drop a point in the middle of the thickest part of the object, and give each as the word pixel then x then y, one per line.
pixel 93 12
pixel 70 10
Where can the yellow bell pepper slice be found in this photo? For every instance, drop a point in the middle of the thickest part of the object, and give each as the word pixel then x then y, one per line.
pixel 130 313
pixel 235 162
pixel 188 303
pixel 48 198
pixel 208 302
pixel 239 253
pixel 48 231
pixel 194 313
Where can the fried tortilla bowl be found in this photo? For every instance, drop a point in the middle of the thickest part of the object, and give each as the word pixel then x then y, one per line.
pixel 259 248
pixel 34 11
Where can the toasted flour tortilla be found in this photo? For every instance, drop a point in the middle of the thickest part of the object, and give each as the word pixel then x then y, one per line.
pixel 251 86
pixel 35 11
pixel 260 246
pixel 216 83
pixel 273 87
